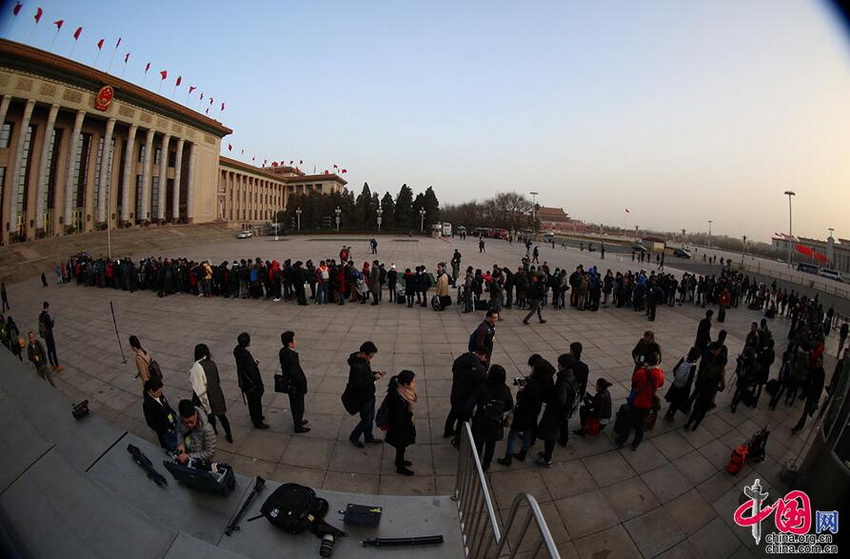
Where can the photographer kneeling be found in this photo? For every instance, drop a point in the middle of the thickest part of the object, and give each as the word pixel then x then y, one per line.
pixel 196 438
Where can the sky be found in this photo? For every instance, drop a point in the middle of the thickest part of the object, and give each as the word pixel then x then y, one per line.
pixel 682 111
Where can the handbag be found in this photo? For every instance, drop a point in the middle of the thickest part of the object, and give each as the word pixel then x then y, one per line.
pixel 282 384
pixel 349 400
pixel 592 426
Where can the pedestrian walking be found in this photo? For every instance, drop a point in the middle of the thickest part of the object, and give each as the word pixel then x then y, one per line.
pixel 45 330
pixel 35 353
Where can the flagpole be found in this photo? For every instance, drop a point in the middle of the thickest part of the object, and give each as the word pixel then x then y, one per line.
pixel 74 46
pixel 124 69
pixel 96 58
pixel 54 39
pixel 173 91
pixel 29 39
pixel 111 59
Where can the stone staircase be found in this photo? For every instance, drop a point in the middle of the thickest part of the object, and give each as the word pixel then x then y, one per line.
pixel 69 488
pixel 24 260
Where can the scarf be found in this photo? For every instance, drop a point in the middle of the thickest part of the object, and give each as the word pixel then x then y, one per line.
pixel 407 393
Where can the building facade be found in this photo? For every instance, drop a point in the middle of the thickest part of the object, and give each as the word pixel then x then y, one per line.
pixel 82 150
pixel 250 196
pixel 837 252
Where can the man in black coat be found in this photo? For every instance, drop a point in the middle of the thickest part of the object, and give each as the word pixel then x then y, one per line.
pixel 704 332
pixel 467 373
pixel 580 374
pixel 361 387
pixel 158 414
pixel 290 368
pixel 250 380
pixel 484 335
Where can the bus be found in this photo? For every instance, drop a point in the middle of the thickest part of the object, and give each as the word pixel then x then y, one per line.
pixel 808 268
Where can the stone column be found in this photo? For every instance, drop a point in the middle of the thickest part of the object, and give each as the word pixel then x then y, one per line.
pixel 72 157
pixel 105 161
pixel 163 178
pixel 178 168
pixel 16 167
pixel 190 186
pixel 4 107
pixel 144 213
pixel 129 174
pixel 43 171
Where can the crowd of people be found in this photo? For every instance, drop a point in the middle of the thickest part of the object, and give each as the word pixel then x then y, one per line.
pixel 545 400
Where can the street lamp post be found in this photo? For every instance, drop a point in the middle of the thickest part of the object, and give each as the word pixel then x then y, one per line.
pixel 422 220
pixel 534 213
pixel 298 213
pixel 380 218
pixel 744 250
pixel 789 194
pixel 338 213
pixel 709 231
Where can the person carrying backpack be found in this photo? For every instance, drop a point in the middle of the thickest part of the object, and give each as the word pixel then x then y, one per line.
pixel 645 382
pixel 468 373
pixel 679 393
pixel 491 401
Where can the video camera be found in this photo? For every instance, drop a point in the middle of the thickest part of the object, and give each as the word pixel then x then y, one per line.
pixel 80 410
pixel 520 381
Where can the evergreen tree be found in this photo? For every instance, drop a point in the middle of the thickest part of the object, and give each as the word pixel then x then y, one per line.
pixel 404 208
pixel 360 219
pixel 432 206
pixel 388 206
pixel 418 204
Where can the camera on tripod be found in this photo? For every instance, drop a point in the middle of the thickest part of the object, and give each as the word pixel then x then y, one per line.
pixel 80 410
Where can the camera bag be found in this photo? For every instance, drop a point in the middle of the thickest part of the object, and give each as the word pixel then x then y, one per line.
pixel 221 482
pixel 294 508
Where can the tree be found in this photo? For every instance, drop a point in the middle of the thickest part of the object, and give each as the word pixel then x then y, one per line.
pixel 431 205
pixel 404 208
pixel 363 211
pixel 509 210
pixel 388 206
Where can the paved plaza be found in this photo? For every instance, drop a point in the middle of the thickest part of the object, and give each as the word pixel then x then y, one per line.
pixel 670 498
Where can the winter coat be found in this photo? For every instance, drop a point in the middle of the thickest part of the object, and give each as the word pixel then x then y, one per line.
pixel 559 402
pixel 199 441
pixel 290 367
pixel 205 382
pixel 401 432
pixel 443 285
pixel 483 394
pixel 467 373
pixel 361 380
pixel 248 372
pixel 159 416
pixel 529 401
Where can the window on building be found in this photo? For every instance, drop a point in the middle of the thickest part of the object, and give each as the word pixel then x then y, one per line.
pixel 139 215
pixel 157 156
pixel 155 196
pixel 23 173
pixel 52 155
pixel 142 149
pixel 5 135
pixel 81 170
pixel 97 166
pixel 2 185
pixel 172 158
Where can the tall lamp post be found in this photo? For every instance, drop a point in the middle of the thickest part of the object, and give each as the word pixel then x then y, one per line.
pixel 709 232
pixel 298 213
pixel 338 213
pixel 744 250
pixel 380 218
pixel 789 194
pixel 534 212
pixel 422 220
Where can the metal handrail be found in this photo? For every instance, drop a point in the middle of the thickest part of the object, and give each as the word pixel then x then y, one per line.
pixel 534 513
pixel 475 508
pixel 474 502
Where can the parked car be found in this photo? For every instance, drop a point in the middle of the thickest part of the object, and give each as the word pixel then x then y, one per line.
pixel 245 235
pixel 831 274
pixel 639 247
pixel 681 253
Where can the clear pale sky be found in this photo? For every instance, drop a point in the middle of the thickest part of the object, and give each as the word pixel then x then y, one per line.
pixel 682 111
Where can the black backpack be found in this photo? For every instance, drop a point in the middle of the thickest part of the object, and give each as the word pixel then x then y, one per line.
pixel 294 508
pixel 489 414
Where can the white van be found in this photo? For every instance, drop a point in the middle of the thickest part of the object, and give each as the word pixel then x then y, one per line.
pixel 831 274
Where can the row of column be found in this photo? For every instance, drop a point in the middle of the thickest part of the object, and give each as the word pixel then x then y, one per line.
pixel 236 186
pixel 127 179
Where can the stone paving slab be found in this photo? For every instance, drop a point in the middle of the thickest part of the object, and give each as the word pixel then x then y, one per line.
pixel 592 492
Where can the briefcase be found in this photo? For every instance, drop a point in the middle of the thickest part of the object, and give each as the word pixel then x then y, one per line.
pixel 362 515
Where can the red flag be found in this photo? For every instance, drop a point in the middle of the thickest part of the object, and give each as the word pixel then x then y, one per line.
pixel 229 147
pixel 211 100
pixel 118 44
pixel 77 33
pixel 192 88
pixel 274 163
pixel 202 97
pixel 344 171
pixel 58 23
pixel 264 162
pixel 38 13
pixel 206 112
pixel 17 8
pixel 100 44
pixel 335 166
pixel 300 161
pixel 290 162
pixel 821 257
pixel 126 58
pixel 179 81
pixel 147 67
pixel 627 211
pixel 327 172
pixel 163 73
pixel 222 106
pixel 803 249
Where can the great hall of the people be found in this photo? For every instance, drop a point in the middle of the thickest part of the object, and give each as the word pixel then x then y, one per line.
pixel 82 150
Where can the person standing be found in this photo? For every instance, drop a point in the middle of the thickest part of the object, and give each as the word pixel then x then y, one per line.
pixel 704 332
pixel 206 388
pixel 572 360
pixel 679 393
pixel 484 335
pixel 361 387
pixel 13 335
pixel 529 400
pixel 159 416
pixel 842 332
pixel 290 368
pixel 45 330
pixel 645 382
pixel 491 400
pixel 468 373
pixel 35 353
pixel 375 282
pixel 250 380
pixel 711 379
pixel 143 360
pixel 443 289
pixel 813 389
pixel 401 431
pixel 646 346
pixel 392 282
pixel 5 297
pixel 560 404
